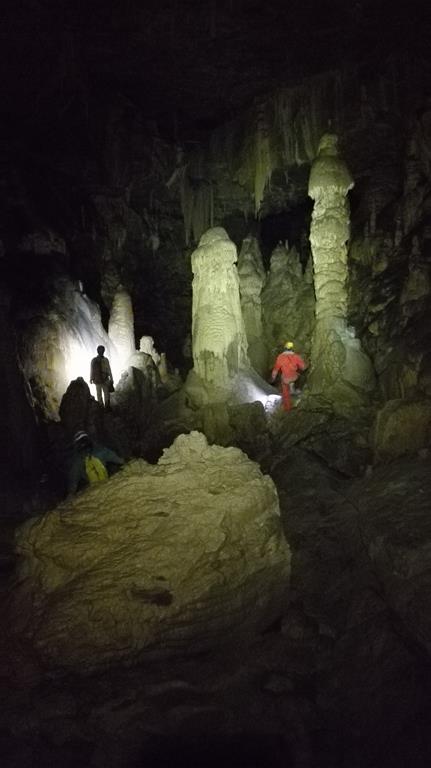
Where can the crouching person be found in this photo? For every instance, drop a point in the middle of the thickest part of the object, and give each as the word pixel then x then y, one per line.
pixel 89 463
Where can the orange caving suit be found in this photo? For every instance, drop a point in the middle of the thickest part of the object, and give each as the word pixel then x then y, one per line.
pixel 290 365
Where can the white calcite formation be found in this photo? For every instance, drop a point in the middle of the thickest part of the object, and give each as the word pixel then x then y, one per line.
pixel 218 333
pixel 121 330
pixel 146 345
pixel 340 368
pixel 148 361
pixel 173 558
pixel 251 279
pixel 58 346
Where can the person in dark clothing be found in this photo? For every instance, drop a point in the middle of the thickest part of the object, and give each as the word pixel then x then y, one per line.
pixel 101 376
pixel 89 462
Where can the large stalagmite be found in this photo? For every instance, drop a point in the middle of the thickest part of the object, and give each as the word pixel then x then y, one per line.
pixel 121 330
pixel 218 333
pixel 339 367
pixel 172 558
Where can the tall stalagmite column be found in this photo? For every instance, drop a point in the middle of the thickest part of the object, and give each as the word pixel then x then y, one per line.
pixel 339 368
pixel 121 330
pixel 218 333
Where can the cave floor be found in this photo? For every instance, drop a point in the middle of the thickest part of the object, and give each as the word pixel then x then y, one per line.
pixel 342 679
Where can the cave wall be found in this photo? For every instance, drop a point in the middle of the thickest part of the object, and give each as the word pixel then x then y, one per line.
pixel 383 119
pixel 19 444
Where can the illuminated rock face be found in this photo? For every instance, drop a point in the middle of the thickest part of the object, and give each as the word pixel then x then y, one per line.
pixel 121 330
pixel 145 363
pixel 172 558
pixel 148 360
pixel 218 333
pixel 146 345
pixel 59 345
pixel 339 367
pixel 252 278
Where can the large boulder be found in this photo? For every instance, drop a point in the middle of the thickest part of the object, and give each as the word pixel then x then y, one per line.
pixel 174 558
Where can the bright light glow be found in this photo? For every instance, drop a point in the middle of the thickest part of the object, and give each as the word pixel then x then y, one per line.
pixel 272 403
pixel 249 387
pixel 77 360
pixel 80 338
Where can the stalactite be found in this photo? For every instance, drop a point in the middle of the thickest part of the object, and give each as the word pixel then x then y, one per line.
pixel 263 164
pixel 196 197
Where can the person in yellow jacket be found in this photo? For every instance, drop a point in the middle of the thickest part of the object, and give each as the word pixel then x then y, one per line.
pixel 89 462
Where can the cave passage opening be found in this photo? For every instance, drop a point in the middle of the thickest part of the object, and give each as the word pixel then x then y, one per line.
pixel 290 226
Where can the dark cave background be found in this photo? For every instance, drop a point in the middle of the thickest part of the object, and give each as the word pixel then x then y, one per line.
pixel 98 100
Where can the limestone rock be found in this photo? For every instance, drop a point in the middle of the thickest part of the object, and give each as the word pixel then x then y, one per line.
pixel 402 427
pixel 393 618
pixel 173 558
pixel 121 332
pixel 59 343
pixel 144 362
pixel 136 397
pixel 424 378
pixel 252 278
pixel 339 366
pixel 287 303
pixel 75 406
pixel 146 345
pixel 17 415
pixel 396 527
pixel 341 442
pixel 219 337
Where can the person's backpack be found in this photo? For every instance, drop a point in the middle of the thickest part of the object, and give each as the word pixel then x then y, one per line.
pixel 95 470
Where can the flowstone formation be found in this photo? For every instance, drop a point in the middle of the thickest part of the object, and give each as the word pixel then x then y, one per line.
pixel 252 278
pixel 60 343
pixel 166 559
pixel 218 332
pixel 121 330
pixel 340 369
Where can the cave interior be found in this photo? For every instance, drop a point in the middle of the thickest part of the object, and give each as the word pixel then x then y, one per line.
pixel 191 185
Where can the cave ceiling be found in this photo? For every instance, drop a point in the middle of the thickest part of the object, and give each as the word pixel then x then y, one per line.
pixel 188 65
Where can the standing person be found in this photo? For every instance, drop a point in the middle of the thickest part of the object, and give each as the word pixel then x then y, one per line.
pixel 101 376
pixel 89 462
pixel 289 364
